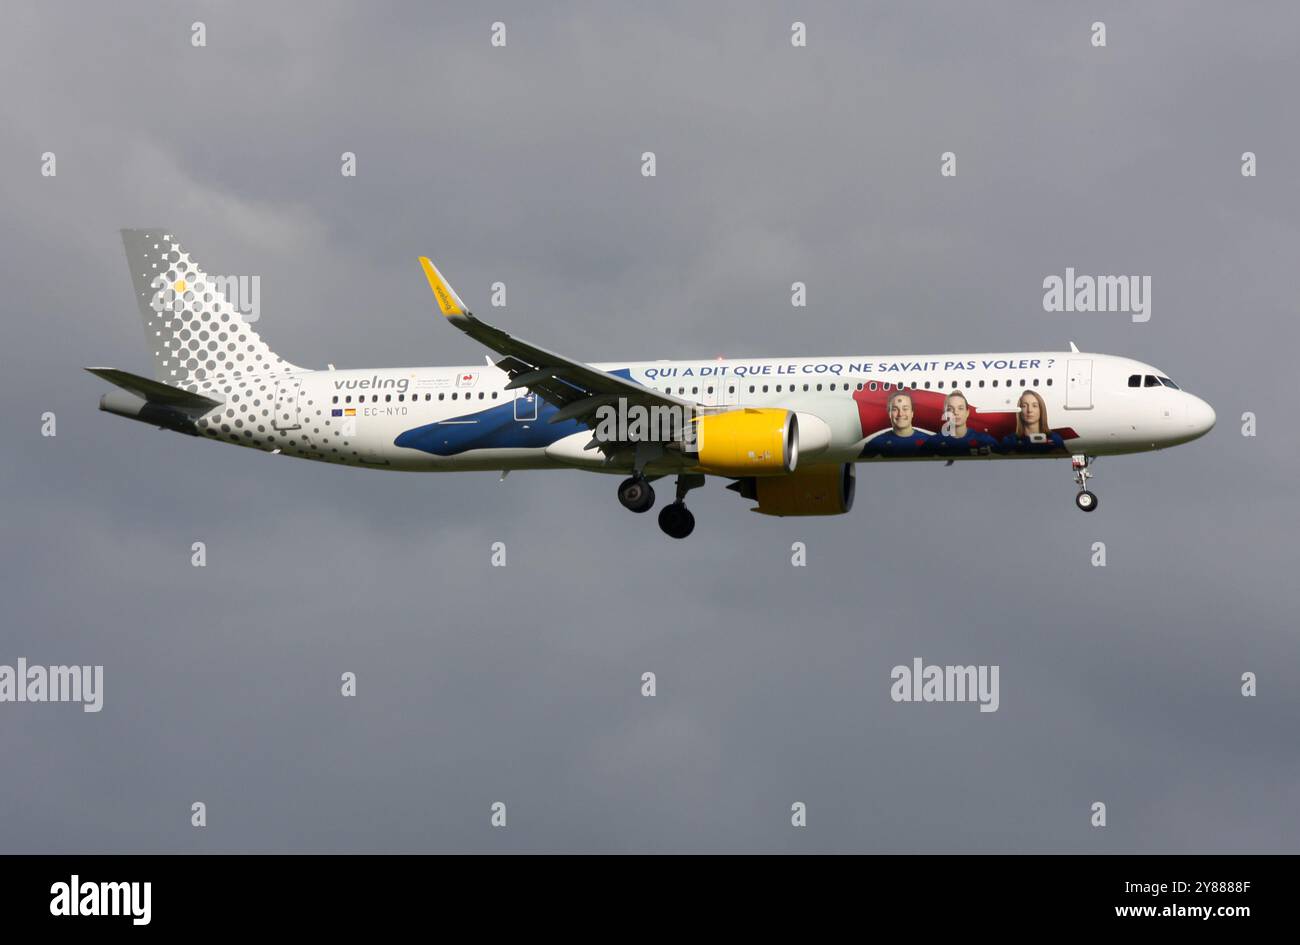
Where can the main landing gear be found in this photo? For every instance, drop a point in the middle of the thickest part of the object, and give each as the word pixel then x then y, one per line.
pixel 1085 500
pixel 636 494
pixel 675 518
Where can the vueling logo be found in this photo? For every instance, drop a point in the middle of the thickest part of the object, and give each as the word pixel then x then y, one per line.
pixel 400 384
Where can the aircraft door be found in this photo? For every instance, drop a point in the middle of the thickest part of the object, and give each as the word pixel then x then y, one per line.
pixel 285 415
pixel 525 405
pixel 1078 385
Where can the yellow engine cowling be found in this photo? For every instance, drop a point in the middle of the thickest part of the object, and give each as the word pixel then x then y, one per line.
pixel 752 441
pixel 813 490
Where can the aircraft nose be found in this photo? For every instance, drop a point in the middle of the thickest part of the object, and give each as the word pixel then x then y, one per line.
pixel 1200 415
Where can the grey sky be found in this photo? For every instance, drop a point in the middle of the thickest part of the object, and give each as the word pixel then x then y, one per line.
pixel 522 684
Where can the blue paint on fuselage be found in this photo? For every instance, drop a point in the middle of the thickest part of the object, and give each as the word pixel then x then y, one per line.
pixel 496 428
pixel 493 429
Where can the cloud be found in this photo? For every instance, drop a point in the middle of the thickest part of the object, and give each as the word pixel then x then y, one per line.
pixel 522 684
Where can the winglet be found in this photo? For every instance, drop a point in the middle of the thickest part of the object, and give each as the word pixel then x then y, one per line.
pixel 448 300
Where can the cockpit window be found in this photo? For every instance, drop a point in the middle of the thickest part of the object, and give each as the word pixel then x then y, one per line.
pixel 1151 381
pixel 1168 383
pixel 1135 380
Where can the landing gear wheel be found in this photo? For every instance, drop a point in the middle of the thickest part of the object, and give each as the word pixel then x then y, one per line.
pixel 676 520
pixel 1086 500
pixel 636 494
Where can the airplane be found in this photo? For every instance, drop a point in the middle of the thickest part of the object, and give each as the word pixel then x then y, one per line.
pixel 786 432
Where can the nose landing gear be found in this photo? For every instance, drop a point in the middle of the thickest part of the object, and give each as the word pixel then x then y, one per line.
pixel 1085 500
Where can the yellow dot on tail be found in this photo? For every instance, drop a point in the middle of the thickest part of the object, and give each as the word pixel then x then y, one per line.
pixel 180 285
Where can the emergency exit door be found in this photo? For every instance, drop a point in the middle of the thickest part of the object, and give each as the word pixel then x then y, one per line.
pixel 1078 385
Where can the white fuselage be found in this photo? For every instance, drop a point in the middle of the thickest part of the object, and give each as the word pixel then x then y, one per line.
pixel 464 418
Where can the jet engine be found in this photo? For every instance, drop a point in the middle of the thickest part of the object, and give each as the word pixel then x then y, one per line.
pixel 752 441
pixel 812 490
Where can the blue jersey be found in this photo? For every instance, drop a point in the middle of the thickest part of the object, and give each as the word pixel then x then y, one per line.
pixel 971 443
pixel 890 443
pixel 1052 443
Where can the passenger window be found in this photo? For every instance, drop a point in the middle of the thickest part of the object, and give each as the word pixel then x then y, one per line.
pixel 1150 381
pixel 941 385
pixel 765 388
pixel 819 387
pixel 1049 382
pixel 871 386
pixel 453 395
pixel 927 384
pixel 336 398
pixel 981 383
pixel 441 396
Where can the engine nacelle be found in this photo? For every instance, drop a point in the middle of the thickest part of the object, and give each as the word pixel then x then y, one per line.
pixel 752 441
pixel 813 490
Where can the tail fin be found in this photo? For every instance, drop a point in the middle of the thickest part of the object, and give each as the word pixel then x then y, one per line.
pixel 194 332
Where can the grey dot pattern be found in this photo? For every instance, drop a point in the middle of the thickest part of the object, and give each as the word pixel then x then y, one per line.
pixel 196 336
pixel 277 413
pixel 202 343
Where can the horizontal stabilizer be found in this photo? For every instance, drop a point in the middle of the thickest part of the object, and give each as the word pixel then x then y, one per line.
pixel 155 392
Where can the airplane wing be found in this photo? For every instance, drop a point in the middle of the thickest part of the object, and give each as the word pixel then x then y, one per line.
pixel 575 388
